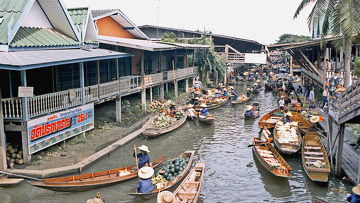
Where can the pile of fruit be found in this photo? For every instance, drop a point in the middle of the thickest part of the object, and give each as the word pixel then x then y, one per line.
pixel 287 133
pixel 180 114
pixel 269 158
pixel 168 173
pixel 124 172
pixel 159 105
pixel 14 154
pixel 162 121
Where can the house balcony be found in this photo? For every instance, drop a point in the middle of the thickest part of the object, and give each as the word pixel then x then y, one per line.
pixel 13 108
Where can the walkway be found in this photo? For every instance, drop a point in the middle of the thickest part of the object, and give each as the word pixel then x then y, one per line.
pixel 77 168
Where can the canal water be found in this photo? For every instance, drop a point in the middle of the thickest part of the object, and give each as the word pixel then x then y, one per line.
pixel 231 175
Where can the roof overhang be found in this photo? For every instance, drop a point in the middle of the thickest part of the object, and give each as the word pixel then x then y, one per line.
pixel 146 45
pixel 25 60
pixel 187 46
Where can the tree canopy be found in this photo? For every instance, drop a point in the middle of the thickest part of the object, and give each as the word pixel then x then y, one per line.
pixel 289 38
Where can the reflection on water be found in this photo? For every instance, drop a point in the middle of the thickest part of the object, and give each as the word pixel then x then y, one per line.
pixel 231 175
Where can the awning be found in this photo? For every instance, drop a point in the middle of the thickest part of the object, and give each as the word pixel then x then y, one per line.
pixel 136 43
pixel 24 60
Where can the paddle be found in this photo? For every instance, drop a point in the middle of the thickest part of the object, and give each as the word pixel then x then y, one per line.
pixel 186 110
pixel 261 143
pixel 21 176
pixel 137 165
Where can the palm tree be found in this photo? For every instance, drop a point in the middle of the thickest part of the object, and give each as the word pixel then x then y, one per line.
pixel 342 19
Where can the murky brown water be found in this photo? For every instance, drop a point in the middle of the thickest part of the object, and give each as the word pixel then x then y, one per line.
pixel 232 174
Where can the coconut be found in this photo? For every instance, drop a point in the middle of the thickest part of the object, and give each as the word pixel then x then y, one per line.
pixel 12 160
pixel 9 148
pixel 21 161
pixel 19 156
pixel 13 155
pixel 20 152
pixel 12 150
pixel 17 161
pixel 16 150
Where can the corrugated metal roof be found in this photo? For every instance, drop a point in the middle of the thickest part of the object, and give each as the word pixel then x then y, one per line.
pixel 40 37
pixel 97 13
pixel 79 16
pixel 42 58
pixel 9 9
pixel 135 43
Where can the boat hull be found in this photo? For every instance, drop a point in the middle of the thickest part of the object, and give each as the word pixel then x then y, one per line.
pixel 208 120
pixel 287 148
pixel 155 132
pixel 269 115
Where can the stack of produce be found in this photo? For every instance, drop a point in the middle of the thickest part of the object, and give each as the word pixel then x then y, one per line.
pixel 180 114
pixel 287 133
pixel 162 121
pixel 269 158
pixel 14 154
pixel 124 172
pixel 159 105
pixel 168 173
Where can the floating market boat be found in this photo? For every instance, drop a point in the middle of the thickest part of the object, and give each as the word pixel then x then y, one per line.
pixel 271 118
pixel 214 106
pixel 314 158
pixel 189 155
pixel 91 180
pixel 157 131
pixel 303 124
pixel 189 190
pixel 208 120
pixel 287 138
pixel 240 101
pixel 271 159
pixel 255 109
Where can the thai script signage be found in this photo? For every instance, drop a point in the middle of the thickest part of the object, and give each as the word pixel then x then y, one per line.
pixel 25 91
pixel 51 129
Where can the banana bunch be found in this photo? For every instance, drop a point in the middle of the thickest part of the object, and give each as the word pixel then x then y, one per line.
pixel 158 179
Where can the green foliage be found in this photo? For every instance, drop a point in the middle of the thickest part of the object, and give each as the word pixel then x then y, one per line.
pixel 356 66
pixel 131 112
pixel 209 60
pixel 289 38
pixel 170 38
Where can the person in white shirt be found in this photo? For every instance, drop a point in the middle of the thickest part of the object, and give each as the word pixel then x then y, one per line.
pixel 265 135
pixel 191 111
pixel 325 98
pixel 282 103
pixel 312 99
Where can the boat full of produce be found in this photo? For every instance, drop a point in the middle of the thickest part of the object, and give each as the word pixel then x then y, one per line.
pixel 287 137
pixel 165 123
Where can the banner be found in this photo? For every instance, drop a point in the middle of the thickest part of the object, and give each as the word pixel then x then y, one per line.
pixel 255 58
pixel 51 129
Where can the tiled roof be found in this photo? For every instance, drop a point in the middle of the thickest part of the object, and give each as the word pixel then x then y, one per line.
pixel 97 13
pixel 9 9
pixel 78 15
pixel 40 37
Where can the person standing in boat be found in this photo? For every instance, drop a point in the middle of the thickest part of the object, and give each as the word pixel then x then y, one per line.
pixel 265 135
pixel 144 159
pixel 233 92
pixel 145 185
pixel 204 111
pixel 287 118
pixel 355 196
pixel 282 103
pixel 248 93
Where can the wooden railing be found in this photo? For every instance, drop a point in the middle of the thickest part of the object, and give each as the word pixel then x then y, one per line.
pixel 228 57
pixel 350 100
pixel 43 104
pixel 335 106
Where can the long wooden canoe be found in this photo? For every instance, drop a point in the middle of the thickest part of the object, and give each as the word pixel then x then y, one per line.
pixel 274 116
pixel 155 132
pixel 302 122
pixel 240 101
pixel 256 111
pixel 189 190
pixel 187 154
pixel 91 180
pixel 208 120
pixel 277 171
pixel 287 147
pixel 313 150
pixel 214 106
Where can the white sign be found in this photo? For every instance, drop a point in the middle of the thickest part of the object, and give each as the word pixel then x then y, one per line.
pixel 255 58
pixel 25 91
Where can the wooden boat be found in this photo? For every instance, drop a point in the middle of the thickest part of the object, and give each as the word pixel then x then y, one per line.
pixel 256 111
pixel 287 147
pixel 268 87
pixel 277 171
pixel 91 180
pixel 187 154
pixel 240 101
pixel 208 120
pixel 214 106
pixel 271 118
pixel 317 200
pixel 303 124
pixel 155 132
pixel 189 190
pixel 313 150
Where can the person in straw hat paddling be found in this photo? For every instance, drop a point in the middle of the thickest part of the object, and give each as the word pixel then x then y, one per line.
pixel 145 185
pixel 313 123
pixel 204 111
pixel 287 118
pixel 191 111
pixel 166 197
pixel 249 112
pixel 97 199
pixel 355 197
pixel 144 159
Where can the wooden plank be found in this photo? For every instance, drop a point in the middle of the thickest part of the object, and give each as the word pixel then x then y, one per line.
pixel 314 158
pixel 314 153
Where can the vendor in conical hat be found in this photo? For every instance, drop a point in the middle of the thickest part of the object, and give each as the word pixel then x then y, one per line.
pixel 144 159
pixel 355 197
pixel 191 111
pixel 225 94
pixel 145 185
pixel 204 111
pixel 287 118
pixel 166 197
pixel 249 112
pixel 313 123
